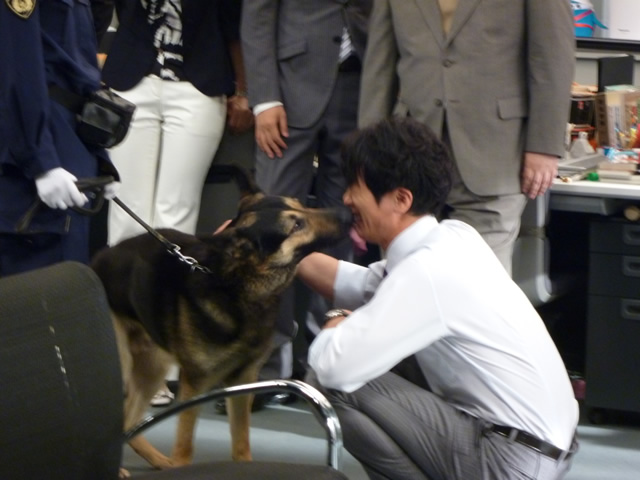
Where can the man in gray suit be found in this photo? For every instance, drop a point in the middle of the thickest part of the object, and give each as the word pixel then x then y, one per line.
pixel 493 78
pixel 303 62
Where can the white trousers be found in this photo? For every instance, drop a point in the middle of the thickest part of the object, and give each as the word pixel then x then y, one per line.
pixel 164 160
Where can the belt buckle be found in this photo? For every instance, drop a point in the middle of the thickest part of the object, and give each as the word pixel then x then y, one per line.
pixel 517 436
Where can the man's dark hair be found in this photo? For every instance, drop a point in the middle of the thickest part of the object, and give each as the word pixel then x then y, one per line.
pixel 400 152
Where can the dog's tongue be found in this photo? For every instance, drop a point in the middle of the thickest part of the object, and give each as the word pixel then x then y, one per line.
pixel 359 243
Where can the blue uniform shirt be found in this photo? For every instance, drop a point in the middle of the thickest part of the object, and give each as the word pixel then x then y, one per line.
pixel 53 45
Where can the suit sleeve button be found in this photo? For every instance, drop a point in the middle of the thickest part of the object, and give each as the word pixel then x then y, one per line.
pixel 438 102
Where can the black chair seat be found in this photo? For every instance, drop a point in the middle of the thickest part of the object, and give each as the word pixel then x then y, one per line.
pixel 246 471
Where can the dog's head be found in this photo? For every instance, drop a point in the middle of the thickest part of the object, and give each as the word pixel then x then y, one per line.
pixel 279 231
pixel 262 246
pixel 284 231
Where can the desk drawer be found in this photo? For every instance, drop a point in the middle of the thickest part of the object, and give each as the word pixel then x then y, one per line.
pixel 614 275
pixel 613 356
pixel 614 236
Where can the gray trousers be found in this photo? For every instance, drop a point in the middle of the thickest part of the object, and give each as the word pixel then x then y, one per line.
pixel 293 175
pixel 399 431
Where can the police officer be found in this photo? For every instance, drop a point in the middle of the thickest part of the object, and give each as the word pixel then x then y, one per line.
pixel 42 44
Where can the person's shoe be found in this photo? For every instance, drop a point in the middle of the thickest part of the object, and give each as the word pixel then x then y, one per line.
pixel 172 385
pixel 162 398
pixel 260 401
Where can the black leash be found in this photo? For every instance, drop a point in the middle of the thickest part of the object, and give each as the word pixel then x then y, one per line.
pixel 172 248
pixel 94 188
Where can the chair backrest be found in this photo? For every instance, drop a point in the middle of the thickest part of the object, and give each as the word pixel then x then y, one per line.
pixel 531 253
pixel 61 404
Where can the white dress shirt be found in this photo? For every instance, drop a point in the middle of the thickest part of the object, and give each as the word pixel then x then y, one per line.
pixel 479 341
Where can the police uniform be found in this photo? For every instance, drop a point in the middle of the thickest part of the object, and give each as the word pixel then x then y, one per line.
pixel 43 43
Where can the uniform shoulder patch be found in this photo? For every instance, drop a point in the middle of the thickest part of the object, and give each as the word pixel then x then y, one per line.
pixel 22 8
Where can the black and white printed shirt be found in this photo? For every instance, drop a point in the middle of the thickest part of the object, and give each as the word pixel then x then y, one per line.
pixel 165 17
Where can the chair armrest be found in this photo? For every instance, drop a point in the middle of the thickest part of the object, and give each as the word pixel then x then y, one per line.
pixel 321 408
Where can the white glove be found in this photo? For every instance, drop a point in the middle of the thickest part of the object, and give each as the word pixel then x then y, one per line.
pixel 111 190
pixel 57 189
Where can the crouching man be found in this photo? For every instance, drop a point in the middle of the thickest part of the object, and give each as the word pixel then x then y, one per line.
pixel 493 399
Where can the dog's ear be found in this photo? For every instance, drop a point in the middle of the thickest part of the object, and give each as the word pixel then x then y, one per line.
pixel 248 201
pixel 244 178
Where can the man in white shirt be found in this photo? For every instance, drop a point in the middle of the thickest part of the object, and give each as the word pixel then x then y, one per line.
pixel 500 404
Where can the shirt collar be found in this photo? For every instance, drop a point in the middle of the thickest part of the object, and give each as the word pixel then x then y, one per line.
pixel 409 240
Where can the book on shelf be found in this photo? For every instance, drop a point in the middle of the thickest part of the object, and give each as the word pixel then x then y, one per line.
pixel 617 115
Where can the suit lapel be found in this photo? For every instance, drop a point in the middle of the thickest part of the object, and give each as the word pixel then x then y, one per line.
pixel 431 12
pixel 461 15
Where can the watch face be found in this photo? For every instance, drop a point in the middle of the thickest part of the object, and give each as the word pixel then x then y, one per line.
pixel 335 313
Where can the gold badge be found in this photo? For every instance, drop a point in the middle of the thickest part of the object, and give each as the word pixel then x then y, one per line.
pixel 22 8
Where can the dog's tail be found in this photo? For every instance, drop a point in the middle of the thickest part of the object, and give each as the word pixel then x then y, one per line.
pixel 243 177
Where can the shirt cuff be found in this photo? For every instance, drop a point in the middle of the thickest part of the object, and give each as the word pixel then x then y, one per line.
pixel 261 107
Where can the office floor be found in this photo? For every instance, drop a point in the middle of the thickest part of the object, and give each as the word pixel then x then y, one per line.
pixel 291 433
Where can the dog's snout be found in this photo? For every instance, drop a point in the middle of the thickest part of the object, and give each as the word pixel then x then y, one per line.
pixel 344 215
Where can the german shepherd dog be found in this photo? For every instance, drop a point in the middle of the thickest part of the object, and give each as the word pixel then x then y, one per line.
pixel 215 321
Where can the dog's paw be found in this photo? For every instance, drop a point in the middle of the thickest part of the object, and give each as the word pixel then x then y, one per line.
pixel 124 473
pixel 163 463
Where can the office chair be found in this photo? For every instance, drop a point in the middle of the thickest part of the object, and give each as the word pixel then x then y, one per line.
pixel 531 257
pixel 61 409
pixel 530 266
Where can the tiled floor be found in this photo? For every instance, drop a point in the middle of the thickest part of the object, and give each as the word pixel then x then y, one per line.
pixel 291 433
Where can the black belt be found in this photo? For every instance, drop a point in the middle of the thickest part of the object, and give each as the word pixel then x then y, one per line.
pixel 69 100
pixel 528 440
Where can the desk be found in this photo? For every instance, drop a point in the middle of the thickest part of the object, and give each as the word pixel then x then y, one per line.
pixel 612 292
pixel 604 198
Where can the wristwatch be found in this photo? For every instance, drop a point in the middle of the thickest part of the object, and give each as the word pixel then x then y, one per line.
pixel 336 312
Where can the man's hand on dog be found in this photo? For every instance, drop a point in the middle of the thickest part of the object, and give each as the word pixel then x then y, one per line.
pixel 224 225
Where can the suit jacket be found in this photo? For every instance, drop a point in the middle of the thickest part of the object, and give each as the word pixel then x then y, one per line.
pixel 208 26
pixel 501 78
pixel 291 51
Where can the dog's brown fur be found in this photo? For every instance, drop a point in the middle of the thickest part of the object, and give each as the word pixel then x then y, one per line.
pixel 217 325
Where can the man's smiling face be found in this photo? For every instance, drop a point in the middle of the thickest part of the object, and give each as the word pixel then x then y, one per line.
pixel 371 219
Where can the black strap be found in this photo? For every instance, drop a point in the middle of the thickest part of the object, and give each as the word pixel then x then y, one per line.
pixel 172 248
pixel 69 100
pixel 168 245
pixel 93 187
